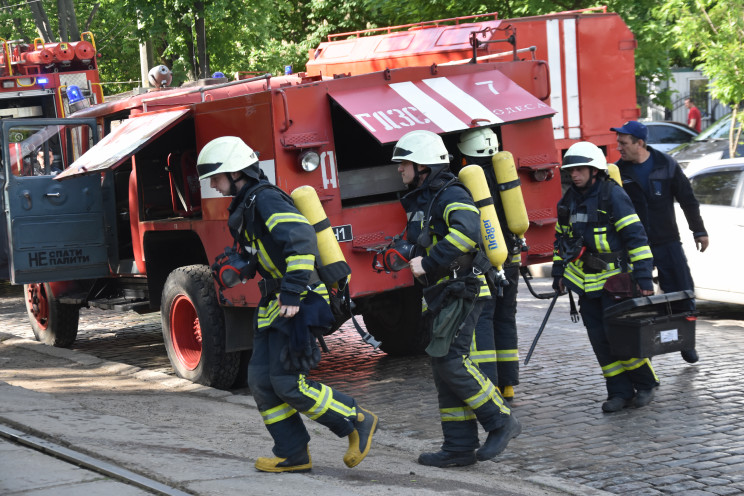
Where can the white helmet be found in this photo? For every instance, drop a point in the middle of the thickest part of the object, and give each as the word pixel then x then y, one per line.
pixel 227 154
pixel 584 153
pixel 421 147
pixel 481 142
pixel 159 76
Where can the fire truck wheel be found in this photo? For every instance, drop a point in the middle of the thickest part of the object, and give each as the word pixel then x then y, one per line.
pixel 53 323
pixel 394 318
pixel 194 329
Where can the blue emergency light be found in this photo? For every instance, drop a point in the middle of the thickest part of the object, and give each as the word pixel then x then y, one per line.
pixel 42 81
pixel 74 94
pixel 218 74
pixel 287 70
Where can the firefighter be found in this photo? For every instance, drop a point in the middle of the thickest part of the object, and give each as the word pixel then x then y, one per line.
pixel 272 233
pixel 599 235
pixel 444 226
pixel 495 347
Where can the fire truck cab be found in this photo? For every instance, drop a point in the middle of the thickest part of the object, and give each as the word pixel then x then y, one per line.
pixel 135 229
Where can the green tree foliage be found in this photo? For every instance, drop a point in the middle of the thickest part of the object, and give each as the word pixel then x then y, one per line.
pixel 266 35
pixel 711 32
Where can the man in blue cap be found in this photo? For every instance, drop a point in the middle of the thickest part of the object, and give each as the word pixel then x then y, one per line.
pixel 654 180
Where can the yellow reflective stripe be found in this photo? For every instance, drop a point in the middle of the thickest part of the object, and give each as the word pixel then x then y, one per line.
pixel 516 258
pixel 267 314
pixel 456 414
pixel 458 239
pixel 265 260
pixel 323 400
pixel 488 391
pixel 300 262
pixel 322 290
pixel 507 355
pixel 640 253
pixel 613 369
pixel 485 291
pixel 280 217
pixel 277 414
pixel 633 363
pixel 458 206
pixel 600 240
pixel 483 356
pixel 626 221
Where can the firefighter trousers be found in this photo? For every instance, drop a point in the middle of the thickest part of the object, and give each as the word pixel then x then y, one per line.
pixel 674 273
pixel 499 318
pixel 466 396
pixel 623 375
pixel 282 395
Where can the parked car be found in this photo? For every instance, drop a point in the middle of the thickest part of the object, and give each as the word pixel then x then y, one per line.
pixel 717 272
pixel 667 135
pixel 710 145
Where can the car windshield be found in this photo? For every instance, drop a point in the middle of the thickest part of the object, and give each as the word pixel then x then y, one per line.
pixel 717 130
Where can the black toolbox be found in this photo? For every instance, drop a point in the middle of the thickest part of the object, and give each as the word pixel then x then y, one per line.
pixel 648 326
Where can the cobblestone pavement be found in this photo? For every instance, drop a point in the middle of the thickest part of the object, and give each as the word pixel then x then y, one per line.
pixel 689 440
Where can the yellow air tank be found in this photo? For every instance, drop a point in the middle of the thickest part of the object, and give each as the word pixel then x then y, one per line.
pixel 474 179
pixel 614 172
pixel 307 202
pixel 510 192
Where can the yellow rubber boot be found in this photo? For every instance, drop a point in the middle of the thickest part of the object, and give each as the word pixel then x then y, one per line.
pixel 360 439
pixel 508 393
pixel 297 463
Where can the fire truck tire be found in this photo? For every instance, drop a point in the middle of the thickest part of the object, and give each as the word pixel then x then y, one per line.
pixel 394 318
pixel 194 329
pixel 53 323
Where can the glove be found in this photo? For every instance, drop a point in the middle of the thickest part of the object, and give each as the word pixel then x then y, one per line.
pixel 557 283
pixel 300 360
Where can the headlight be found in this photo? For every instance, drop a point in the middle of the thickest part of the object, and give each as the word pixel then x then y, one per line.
pixel 309 160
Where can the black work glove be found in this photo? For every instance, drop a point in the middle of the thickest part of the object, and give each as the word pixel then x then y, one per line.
pixel 557 283
pixel 302 360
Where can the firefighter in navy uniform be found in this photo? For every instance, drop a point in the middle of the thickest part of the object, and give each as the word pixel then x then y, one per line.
pixel 599 235
pixel 444 224
pixel 281 242
pixel 495 344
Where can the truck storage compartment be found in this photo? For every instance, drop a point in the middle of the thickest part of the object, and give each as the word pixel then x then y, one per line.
pixel 649 325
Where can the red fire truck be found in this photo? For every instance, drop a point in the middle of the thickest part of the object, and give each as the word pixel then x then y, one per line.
pixel 128 225
pixel 590 53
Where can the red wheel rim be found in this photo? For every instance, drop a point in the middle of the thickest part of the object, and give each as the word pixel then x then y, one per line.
pixel 38 304
pixel 185 332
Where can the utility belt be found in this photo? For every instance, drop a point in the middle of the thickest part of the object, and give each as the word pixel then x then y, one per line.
pixel 600 262
pixel 461 266
pixel 272 286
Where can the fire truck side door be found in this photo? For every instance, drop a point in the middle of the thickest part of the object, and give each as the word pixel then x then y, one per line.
pixel 56 229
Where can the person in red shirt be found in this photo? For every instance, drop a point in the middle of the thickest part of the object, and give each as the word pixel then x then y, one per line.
pixel 693 116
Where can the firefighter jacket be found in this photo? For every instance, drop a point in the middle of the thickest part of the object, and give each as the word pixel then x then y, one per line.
pixel 667 183
pixel 282 239
pixel 453 225
pixel 602 221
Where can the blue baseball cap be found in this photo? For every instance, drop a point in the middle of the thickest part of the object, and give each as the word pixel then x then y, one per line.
pixel 633 128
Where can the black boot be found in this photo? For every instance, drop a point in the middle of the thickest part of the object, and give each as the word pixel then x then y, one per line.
pixel 690 356
pixel 498 439
pixel 443 459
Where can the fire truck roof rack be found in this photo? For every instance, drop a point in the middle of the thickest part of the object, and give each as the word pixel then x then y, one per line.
pixel 413 26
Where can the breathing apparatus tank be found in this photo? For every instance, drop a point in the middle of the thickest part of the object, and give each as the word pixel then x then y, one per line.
pixel 510 191
pixel 473 177
pixel 332 261
pixel 614 171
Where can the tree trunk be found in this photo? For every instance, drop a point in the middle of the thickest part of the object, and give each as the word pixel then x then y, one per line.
pixel 201 39
pixel 40 20
pixel 92 15
pixel 62 20
pixel 72 24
